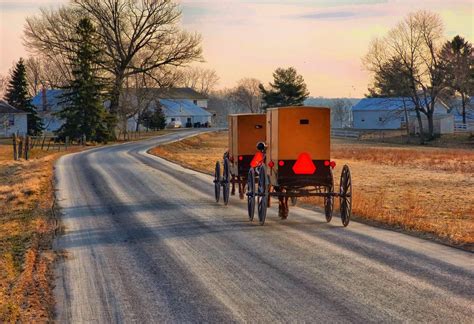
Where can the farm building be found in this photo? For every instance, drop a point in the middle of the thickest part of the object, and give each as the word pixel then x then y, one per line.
pixel 178 104
pixel 12 120
pixel 182 104
pixel 47 103
pixel 389 113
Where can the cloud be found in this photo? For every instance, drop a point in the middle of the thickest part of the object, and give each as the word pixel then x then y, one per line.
pixel 329 15
pixel 26 6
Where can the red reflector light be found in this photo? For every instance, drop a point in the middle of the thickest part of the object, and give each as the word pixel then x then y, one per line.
pixel 271 164
pixel 326 163
pixel 257 159
pixel 281 163
pixel 241 158
pixel 333 164
pixel 304 165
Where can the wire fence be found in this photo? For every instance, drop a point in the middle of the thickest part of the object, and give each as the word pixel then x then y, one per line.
pixel 23 145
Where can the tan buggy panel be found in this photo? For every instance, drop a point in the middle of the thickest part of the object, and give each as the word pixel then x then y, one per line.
pixel 245 131
pixel 295 130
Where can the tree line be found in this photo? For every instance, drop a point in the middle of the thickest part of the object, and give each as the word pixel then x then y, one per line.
pixel 413 61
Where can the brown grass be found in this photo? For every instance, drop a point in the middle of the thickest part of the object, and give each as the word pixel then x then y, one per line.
pixel 425 190
pixel 27 229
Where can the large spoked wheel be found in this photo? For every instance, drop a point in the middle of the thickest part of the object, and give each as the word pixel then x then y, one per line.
pixel 226 182
pixel 251 194
pixel 262 191
pixel 217 181
pixel 293 201
pixel 329 200
pixel 345 191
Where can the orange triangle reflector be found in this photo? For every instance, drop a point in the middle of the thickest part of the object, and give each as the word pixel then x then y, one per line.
pixel 304 165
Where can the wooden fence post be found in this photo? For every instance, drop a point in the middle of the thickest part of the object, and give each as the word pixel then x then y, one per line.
pixel 27 147
pixel 15 152
pixel 20 147
pixel 42 143
pixel 66 143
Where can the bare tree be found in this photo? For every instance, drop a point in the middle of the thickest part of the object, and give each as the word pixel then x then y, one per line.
pixel 415 43
pixel 4 81
pixel 200 79
pixel 126 29
pixel 340 113
pixel 248 94
pixel 34 75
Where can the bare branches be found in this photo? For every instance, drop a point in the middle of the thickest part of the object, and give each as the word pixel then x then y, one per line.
pixel 414 44
pixel 200 79
pixel 127 29
pixel 248 94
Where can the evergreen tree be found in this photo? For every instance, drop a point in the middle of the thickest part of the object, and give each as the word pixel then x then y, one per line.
pixel 287 89
pixel 154 120
pixel 391 80
pixel 84 113
pixel 17 96
pixel 458 67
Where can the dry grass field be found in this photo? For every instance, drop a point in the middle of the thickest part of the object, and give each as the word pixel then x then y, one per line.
pixel 425 190
pixel 26 232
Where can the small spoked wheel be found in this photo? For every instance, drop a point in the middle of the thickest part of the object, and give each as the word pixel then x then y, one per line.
pixel 294 201
pixel 226 182
pixel 217 181
pixel 329 200
pixel 262 200
pixel 345 191
pixel 251 193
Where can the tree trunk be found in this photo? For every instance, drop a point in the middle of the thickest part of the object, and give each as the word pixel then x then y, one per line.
pixel 429 115
pixel 463 100
pixel 420 124
pixel 115 95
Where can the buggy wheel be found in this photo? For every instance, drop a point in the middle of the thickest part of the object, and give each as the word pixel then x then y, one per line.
pixel 329 200
pixel 226 182
pixel 345 191
pixel 294 201
pixel 262 200
pixel 217 181
pixel 251 194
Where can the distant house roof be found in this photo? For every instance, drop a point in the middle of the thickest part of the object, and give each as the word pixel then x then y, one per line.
pixel 6 108
pixel 174 93
pixel 182 107
pixel 386 104
pixel 53 98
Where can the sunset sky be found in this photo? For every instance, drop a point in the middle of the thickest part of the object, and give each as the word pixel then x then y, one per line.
pixel 324 40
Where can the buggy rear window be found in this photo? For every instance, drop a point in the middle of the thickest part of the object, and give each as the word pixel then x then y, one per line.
pixel 304 121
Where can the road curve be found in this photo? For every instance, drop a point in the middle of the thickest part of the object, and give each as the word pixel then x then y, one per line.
pixel 145 242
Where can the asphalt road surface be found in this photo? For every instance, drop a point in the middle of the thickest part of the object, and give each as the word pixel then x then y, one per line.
pixel 146 243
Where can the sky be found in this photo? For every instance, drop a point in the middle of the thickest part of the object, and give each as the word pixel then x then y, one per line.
pixel 324 40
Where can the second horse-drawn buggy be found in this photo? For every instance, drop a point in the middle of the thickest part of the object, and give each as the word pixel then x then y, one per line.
pixel 294 161
pixel 244 131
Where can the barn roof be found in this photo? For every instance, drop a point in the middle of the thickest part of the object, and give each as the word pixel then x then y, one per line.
pixel 181 107
pixel 385 104
pixel 174 93
pixel 6 108
pixel 54 99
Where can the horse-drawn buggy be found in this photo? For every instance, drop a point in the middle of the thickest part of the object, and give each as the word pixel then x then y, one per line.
pixel 294 161
pixel 245 130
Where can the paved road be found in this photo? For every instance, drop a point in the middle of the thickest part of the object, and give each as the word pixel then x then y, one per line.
pixel 145 242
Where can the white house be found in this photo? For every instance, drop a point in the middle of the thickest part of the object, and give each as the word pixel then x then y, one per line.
pixel 178 104
pixel 12 120
pixel 184 104
pixel 389 113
